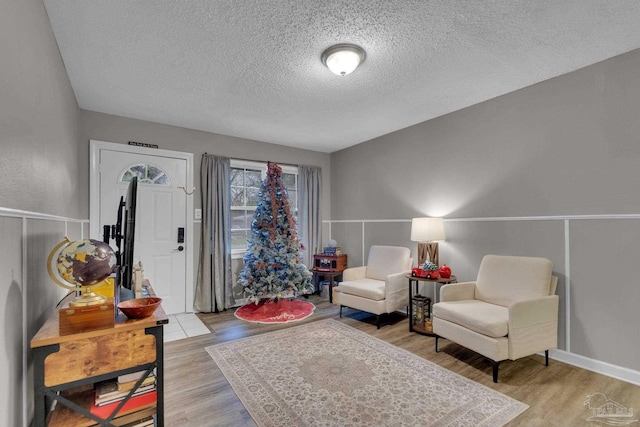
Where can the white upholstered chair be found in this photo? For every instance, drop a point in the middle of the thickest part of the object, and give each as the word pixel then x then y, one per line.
pixel 509 312
pixel 380 287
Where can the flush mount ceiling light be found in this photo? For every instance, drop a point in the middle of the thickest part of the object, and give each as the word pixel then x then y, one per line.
pixel 342 59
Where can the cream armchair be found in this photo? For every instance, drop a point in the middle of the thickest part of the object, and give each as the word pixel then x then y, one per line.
pixel 509 312
pixel 380 287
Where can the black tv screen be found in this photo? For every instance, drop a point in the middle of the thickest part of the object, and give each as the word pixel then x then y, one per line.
pixel 129 219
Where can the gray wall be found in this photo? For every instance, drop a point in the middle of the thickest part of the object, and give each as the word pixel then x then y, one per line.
pixel 38 116
pixel 105 127
pixel 568 148
pixel 38 172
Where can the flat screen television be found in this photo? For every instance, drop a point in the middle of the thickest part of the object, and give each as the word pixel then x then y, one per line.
pixel 126 264
pixel 123 232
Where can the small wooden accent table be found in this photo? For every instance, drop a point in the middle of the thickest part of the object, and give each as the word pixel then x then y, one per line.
pixel 64 362
pixel 414 280
pixel 329 267
pixel 331 275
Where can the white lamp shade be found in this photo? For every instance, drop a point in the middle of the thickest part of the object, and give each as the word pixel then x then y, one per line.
pixel 427 229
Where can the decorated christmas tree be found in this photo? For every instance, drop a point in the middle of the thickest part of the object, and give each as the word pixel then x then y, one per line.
pixel 272 265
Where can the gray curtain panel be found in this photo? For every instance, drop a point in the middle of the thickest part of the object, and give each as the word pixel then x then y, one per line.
pixel 214 283
pixel 309 199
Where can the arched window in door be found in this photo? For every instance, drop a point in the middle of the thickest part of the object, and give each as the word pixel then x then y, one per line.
pixel 147 174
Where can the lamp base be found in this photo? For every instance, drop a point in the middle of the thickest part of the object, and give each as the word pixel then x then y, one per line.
pixel 428 250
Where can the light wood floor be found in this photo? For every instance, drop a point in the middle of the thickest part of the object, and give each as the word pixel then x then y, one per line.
pixel 198 395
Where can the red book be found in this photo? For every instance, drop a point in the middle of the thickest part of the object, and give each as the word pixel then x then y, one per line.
pixel 134 404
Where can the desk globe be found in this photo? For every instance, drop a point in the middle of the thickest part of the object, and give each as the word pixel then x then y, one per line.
pixel 80 264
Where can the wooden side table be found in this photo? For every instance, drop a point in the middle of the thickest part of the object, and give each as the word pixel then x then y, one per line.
pixel 415 280
pixel 331 275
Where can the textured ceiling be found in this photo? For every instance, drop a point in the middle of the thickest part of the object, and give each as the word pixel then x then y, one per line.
pixel 252 68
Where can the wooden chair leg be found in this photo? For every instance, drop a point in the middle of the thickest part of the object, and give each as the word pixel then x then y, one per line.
pixel 341 311
pixel 495 371
pixel 546 358
pixel 437 343
pixel 378 321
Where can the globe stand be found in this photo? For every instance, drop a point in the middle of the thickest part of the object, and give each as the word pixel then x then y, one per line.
pixel 88 298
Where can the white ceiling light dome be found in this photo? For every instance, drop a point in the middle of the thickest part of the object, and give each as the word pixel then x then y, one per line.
pixel 343 59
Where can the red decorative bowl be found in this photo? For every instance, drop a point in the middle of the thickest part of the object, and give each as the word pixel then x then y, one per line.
pixel 139 308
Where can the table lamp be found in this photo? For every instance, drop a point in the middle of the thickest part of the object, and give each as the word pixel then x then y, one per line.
pixel 427 232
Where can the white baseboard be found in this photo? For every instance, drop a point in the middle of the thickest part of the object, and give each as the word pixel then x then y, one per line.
pixel 604 368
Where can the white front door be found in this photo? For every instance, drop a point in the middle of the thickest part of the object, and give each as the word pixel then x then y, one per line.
pixel 161 212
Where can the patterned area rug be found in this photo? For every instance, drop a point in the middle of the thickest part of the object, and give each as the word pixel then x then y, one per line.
pixel 325 373
pixel 268 311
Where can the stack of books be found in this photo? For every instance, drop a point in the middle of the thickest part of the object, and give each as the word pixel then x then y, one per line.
pixel 329 250
pixel 115 390
pixel 139 410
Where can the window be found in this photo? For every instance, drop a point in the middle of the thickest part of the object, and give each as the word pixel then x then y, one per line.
pixel 246 178
pixel 146 173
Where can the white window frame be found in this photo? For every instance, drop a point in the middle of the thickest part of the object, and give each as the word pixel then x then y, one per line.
pixel 262 166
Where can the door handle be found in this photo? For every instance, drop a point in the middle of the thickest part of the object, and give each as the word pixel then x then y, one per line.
pixel 178 249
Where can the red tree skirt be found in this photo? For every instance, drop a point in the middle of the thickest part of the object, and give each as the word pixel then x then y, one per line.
pixel 285 310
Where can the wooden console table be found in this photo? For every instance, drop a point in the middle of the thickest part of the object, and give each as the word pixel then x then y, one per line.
pixel 63 363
